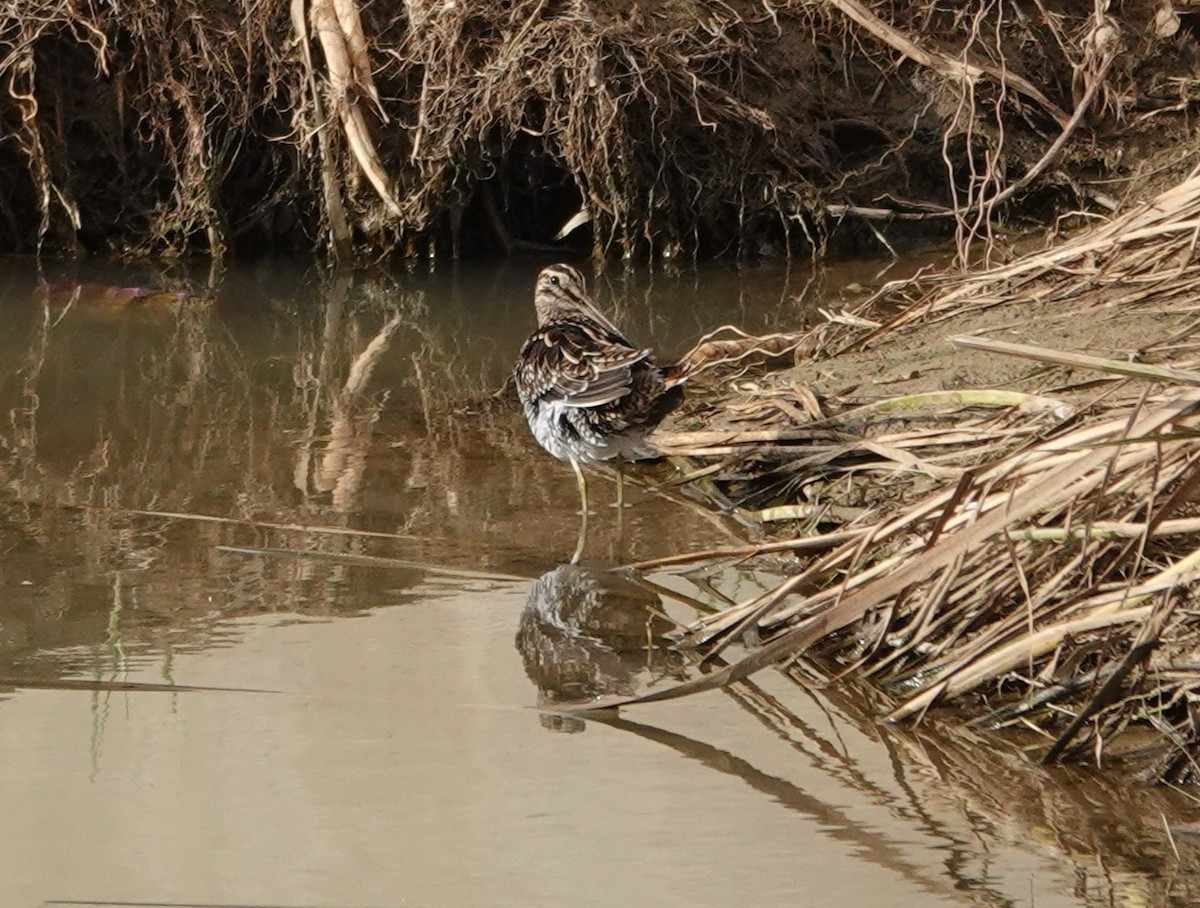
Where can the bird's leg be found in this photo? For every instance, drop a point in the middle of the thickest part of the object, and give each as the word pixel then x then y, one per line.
pixel 583 513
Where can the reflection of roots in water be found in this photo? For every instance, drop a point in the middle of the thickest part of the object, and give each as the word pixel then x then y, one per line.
pixel 175 414
pixel 180 414
pixel 178 409
pixel 342 408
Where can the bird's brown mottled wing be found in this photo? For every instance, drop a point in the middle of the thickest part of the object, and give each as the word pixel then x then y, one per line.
pixel 577 363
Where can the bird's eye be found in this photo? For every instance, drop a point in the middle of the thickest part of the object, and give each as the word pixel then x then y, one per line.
pixel 554 279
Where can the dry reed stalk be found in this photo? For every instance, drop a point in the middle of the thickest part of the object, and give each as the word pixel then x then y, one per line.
pixel 929 591
pixel 425 567
pixel 1146 255
pixel 1025 555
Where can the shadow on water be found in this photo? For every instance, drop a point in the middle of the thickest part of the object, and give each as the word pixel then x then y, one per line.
pixel 200 484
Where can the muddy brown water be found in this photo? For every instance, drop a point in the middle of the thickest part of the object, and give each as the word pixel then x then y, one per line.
pixel 220 708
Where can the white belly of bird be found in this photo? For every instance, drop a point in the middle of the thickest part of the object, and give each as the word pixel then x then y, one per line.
pixel 566 433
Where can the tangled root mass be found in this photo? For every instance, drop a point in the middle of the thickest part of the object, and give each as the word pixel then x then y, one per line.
pixel 440 128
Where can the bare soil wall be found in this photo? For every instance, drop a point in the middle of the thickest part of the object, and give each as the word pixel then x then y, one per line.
pixel 667 128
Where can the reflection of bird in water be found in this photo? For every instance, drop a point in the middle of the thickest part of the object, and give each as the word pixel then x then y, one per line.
pixel 587 633
pixel 588 392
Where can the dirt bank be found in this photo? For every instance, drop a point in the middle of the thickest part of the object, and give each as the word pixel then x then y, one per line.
pixel 668 128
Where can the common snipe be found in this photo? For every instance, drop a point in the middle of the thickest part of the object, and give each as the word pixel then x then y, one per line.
pixel 589 393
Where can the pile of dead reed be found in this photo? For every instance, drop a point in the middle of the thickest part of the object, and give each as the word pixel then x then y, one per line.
pixel 1031 558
